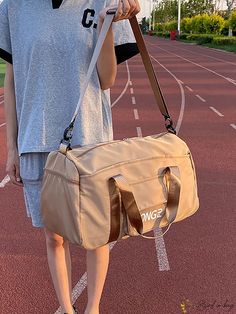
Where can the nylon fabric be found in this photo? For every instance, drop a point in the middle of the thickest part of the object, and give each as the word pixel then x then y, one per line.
pixel 76 196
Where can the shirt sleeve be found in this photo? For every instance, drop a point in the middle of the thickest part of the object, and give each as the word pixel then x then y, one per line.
pixel 125 44
pixel 5 38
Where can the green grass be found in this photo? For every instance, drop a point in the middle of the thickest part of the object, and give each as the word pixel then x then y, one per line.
pixel 2 72
pixel 231 48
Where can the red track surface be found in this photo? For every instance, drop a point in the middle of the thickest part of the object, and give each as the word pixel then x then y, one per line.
pixel 200 250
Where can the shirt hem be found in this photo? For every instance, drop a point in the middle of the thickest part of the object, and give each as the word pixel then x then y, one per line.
pixel 37 150
pixel 5 55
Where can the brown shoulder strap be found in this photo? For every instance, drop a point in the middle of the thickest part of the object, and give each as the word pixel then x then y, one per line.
pixel 151 74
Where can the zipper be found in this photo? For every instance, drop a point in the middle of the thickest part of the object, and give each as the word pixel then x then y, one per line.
pixel 111 142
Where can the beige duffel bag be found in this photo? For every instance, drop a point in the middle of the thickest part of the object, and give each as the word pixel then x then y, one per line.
pixel 100 193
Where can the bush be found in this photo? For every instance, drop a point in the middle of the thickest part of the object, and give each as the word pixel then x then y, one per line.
pixel 171 26
pixel 159 34
pixel 183 36
pixel 232 20
pixel 167 34
pixel 198 23
pixel 186 24
pixel 225 30
pixel 224 40
pixel 192 37
pixel 213 24
pixel 159 27
pixel 201 38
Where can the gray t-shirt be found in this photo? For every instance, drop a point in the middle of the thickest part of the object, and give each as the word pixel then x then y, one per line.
pixel 50 44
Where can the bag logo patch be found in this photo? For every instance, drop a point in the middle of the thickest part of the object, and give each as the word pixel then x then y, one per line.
pixel 152 215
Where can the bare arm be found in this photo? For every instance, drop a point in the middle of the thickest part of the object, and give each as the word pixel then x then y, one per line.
pixel 12 166
pixel 106 64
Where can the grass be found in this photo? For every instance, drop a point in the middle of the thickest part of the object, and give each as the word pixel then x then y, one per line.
pixel 2 72
pixel 231 48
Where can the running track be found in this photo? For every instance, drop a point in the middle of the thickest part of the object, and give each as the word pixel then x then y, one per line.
pixel 191 270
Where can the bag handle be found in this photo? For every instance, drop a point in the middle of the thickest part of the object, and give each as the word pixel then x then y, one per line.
pixel 68 133
pixel 130 205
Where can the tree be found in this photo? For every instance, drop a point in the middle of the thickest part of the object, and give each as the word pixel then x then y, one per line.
pixel 167 10
pixel 232 20
pixel 195 7
pixel 230 5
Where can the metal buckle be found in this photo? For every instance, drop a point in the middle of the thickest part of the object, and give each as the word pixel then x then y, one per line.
pixel 169 125
pixel 67 136
pixel 111 11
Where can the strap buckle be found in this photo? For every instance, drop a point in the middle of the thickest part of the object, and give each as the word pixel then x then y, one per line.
pixel 112 11
pixel 67 136
pixel 65 143
pixel 169 125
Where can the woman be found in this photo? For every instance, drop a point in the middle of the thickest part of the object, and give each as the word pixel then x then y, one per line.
pixel 47 46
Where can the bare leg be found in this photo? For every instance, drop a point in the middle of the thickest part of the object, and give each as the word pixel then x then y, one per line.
pixel 68 265
pixel 60 268
pixel 97 266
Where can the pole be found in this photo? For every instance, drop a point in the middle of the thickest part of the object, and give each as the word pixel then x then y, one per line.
pixel 153 19
pixel 179 16
pixel 150 18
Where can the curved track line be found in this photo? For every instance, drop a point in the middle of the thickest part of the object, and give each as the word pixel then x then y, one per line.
pixel 182 106
pixel 4 181
pixel 230 80
pixel 202 54
pixel 125 88
pixel 159 241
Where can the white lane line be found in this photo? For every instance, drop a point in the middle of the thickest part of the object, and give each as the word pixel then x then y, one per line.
pixel 1 125
pixel 202 54
pixel 161 252
pixel 181 82
pixel 159 242
pixel 189 88
pixel 216 111
pixel 81 285
pixel 4 181
pixel 133 100
pixel 136 115
pixel 131 90
pixel 139 131
pixel 231 80
pixel 199 97
pixel 182 106
pixel 125 88
pixel 1 102
pixel 130 83
pixel 233 126
pixel 200 66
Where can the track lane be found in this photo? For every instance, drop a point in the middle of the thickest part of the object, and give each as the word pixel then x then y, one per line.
pixel 226 68
pixel 217 91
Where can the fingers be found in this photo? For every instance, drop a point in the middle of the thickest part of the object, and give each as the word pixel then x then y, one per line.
pixel 127 9
pixel 17 175
pixel 14 174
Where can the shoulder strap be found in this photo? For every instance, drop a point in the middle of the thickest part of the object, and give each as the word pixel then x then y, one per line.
pixel 148 66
